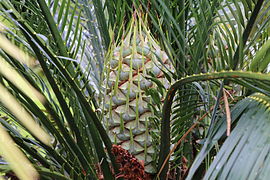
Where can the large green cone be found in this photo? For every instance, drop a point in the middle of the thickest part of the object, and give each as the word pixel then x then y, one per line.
pixel 126 104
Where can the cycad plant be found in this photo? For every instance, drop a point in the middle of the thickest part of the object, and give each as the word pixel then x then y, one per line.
pixel 127 114
pixel 134 89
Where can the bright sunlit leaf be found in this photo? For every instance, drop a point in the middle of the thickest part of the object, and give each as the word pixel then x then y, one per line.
pixel 11 74
pixel 15 52
pixel 10 102
pixel 16 159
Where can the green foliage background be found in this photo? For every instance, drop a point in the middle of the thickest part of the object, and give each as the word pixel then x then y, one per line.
pixel 214 45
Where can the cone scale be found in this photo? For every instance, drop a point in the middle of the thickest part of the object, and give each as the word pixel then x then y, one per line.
pixel 126 111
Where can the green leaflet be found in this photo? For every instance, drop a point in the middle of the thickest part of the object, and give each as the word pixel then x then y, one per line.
pixel 246 147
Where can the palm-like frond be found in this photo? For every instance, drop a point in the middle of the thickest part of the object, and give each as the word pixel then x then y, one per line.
pixel 216 35
pixel 70 40
pixel 234 76
pixel 75 134
pixel 244 148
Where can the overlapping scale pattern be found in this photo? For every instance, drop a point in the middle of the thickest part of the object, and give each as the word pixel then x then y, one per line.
pixel 126 103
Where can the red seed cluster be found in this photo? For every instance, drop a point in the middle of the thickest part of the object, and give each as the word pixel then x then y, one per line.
pixel 130 167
